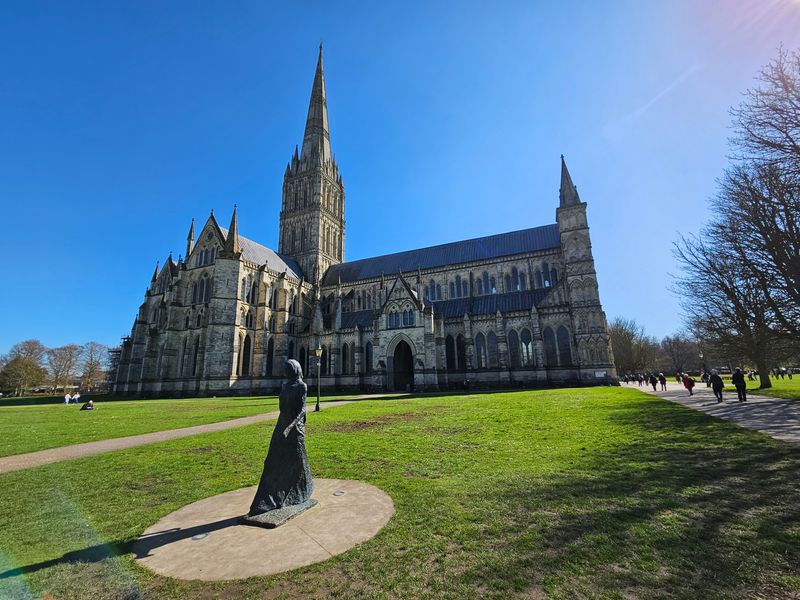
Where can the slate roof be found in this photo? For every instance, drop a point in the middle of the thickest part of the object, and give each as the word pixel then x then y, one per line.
pixel 493 246
pixel 490 304
pixel 261 255
pixel 351 319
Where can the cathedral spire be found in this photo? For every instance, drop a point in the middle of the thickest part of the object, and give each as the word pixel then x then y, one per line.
pixel 568 194
pixel 316 139
pixel 190 240
pixel 155 273
pixel 232 241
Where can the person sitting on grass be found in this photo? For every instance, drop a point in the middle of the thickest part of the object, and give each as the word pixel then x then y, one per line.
pixel 717 385
pixel 88 405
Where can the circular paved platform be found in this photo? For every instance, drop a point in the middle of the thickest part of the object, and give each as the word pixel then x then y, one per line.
pixel 205 541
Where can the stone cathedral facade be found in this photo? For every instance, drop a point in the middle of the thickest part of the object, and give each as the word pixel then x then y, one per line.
pixel 513 309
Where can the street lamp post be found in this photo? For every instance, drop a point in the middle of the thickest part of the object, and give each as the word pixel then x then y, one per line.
pixel 318 353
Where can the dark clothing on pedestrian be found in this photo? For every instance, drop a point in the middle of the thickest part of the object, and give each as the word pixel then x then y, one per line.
pixel 737 379
pixel 717 385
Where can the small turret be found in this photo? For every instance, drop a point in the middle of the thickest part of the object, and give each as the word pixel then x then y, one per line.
pixel 232 248
pixel 190 240
pixel 568 193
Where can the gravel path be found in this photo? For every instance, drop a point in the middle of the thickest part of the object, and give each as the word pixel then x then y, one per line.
pixel 775 417
pixel 17 462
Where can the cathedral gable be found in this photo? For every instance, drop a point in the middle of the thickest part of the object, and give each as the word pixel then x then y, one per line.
pixel 401 294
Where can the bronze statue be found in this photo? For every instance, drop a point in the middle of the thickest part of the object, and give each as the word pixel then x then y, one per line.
pixel 286 483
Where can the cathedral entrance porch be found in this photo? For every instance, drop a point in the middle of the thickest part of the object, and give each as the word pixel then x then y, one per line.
pixel 402 368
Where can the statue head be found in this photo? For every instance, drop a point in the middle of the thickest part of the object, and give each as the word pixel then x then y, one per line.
pixel 292 370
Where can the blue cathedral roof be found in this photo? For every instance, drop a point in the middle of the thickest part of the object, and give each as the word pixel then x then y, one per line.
pixel 261 255
pixel 484 248
pixel 490 303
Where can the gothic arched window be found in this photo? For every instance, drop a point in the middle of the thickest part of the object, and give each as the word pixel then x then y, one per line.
pixel 538 278
pixel 195 356
pixel 438 291
pixel 550 351
pixel 450 353
pixel 522 283
pixel 553 276
pixel 452 290
pixel 207 293
pixel 493 285
pixel 513 349
pixel 368 357
pixel 246 352
pixel 480 350
pixel 345 359
pixel 324 360
pixel 546 274
pixel 290 349
pixel 491 350
pixel 564 349
pixel 479 286
pixel 461 351
pixel 514 279
pixel 526 348
pixel 458 285
pixel 507 282
pixel 464 289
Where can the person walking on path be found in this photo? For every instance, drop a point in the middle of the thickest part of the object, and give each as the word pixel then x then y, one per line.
pixel 67 398
pixel 76 398
pixel 737 379
pixel 653 381
pixel 663 381
pixel 688 383
pixel 717 385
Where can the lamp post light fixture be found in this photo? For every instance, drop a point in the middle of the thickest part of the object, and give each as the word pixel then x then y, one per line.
pixel 318 354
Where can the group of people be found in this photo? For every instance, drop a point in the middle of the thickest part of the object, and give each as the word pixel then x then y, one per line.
pixel 782 372
pixel 76 398
pixel 717 384
pixel 647 378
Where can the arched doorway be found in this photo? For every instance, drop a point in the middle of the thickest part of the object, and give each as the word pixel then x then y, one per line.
pixel 403 368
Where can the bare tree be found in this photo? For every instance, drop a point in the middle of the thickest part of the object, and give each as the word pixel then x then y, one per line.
pixel 93 364
pixel 30 349
pixel 767 122
pixel 758 210
pixel 679 353
pixel 62 363
pixel 634 351
pixel 725 306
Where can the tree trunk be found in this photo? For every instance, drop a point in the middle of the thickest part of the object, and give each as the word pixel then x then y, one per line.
pixel 763 374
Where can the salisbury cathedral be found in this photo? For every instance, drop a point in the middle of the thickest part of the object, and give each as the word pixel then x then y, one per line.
pixel 507 310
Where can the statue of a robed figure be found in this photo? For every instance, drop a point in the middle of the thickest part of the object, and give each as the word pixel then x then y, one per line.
pixel 286 483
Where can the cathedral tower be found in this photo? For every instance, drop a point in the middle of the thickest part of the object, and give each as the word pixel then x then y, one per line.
pixel 312 210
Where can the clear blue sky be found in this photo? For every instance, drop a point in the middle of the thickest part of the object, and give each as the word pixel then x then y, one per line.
pixel 120 121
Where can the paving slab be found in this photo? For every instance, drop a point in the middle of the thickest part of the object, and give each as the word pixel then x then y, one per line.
pixel 206 541
pixel 776 417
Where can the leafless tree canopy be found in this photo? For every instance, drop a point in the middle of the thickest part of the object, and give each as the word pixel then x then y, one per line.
pixel 739 282
pixel 767 122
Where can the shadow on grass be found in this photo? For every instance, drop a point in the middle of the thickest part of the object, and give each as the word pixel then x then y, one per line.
pixel 139 548
pixel 694 508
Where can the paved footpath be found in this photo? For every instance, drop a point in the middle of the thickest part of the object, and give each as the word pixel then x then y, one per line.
pixel 17 462
pixel 773 416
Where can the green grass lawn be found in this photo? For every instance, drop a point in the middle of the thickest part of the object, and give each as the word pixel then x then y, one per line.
pixel 36 427
pixel 583 493
pixel 781 388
